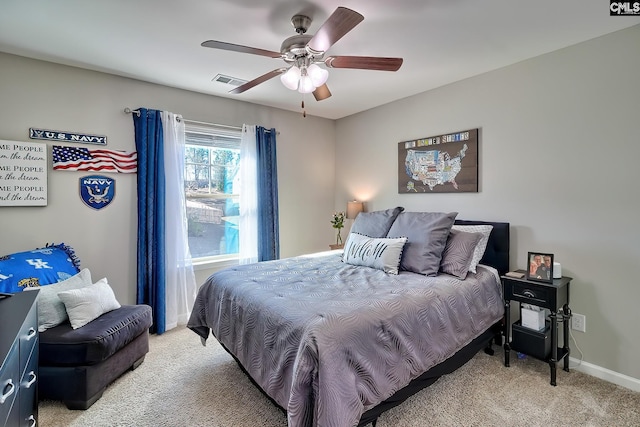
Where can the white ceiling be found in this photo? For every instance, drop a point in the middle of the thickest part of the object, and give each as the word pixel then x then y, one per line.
pixel 441 41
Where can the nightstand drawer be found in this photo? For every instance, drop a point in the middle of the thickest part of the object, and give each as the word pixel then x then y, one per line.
pixel 527 293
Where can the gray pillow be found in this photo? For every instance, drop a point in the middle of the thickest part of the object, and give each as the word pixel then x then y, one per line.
pixel 375 224
pixel 379 253
pixel 51 310
pixel 86 304
pixel 458 253
pixel 427 234
pixel 478 253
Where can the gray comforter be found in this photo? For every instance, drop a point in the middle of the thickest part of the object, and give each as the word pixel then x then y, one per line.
pixel 328 341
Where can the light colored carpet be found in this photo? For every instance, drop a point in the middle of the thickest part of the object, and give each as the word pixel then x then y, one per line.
pixel 182 383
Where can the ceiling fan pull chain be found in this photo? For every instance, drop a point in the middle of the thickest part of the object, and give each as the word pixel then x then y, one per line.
pixel 304 113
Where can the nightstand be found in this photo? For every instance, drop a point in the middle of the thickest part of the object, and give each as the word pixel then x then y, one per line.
pixel 334 247
pixel 544 295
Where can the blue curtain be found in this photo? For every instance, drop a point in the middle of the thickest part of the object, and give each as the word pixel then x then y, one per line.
pixel 268 228
pixel 151 215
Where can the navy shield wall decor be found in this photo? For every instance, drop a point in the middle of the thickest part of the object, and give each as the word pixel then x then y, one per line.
pixel 97 191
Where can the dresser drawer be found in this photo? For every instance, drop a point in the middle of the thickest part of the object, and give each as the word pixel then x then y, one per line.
pixel 28 336
pixel 9 383
pixel 19 350
pixel 28 386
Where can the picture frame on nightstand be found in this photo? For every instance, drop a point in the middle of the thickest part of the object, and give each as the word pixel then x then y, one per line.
pixel 540 267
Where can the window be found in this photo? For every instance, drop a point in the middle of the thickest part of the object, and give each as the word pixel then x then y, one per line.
pixel 211 178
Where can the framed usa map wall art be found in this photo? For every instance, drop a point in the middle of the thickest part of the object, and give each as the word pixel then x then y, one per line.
pixel 439 164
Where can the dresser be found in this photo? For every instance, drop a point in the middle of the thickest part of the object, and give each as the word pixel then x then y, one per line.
pixel 19 360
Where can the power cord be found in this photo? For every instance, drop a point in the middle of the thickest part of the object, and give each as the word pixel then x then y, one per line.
pixel 575 343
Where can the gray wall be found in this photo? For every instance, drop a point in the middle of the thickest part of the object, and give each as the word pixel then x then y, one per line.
pixel 49 96
pixel 558 160
pixel 558 147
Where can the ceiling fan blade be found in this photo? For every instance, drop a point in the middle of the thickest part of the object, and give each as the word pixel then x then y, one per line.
pixel 255 82
pixel 364 62
pixel 341 21
pixel 322 92
pixel 239 48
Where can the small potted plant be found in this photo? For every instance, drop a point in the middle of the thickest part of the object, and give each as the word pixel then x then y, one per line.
pixel 338 222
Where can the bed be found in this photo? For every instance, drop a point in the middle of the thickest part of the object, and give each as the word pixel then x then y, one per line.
pixel 336 344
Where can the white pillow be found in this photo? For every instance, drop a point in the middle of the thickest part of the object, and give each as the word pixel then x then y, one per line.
pixel 478 252
pixel 88 303
pixel 381 253
pixel 51 310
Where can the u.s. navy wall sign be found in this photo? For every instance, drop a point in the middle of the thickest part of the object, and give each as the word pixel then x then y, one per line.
pixel 97 191
pixel 57 135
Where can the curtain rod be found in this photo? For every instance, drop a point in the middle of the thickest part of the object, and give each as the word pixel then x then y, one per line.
pixel 128 110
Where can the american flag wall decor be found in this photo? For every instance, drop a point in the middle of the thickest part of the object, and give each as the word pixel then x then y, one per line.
pixel 85 159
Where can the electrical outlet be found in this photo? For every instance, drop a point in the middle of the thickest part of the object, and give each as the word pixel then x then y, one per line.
pixel 579 322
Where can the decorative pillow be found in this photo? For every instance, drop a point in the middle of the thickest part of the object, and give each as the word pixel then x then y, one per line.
pixel 43 266
pixel 375 224
pixel 427 234
pixel 379 253
pixel 478 252
pixel 51 310
pixel 458 253
pixel 86 304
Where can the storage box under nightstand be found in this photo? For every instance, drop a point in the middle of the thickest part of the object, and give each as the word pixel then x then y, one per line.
pixel 534 343
pixel 533 317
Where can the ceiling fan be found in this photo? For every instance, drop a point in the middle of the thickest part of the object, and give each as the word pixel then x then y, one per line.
pixel 303 53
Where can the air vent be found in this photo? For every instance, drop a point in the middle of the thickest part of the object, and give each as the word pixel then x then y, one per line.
pixel 228 80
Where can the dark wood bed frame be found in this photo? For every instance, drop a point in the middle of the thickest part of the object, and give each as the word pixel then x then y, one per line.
pixel 496 255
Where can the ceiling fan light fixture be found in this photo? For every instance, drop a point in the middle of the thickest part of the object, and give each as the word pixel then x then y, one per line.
pixel 306 84
pixel 291 77
pixel 318 75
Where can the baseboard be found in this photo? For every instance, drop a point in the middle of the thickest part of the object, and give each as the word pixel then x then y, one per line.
pixel 605 374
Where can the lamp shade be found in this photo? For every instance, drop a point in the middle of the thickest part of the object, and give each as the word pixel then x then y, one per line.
pixel 318 75
pixel 291 77
pixel 306 85
pixel 354 208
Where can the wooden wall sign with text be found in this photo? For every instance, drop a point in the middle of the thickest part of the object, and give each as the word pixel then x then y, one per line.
pixel 439 164
pixel 23 173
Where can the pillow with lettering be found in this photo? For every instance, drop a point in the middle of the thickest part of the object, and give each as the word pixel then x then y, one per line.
pixel 380 253
pixel 51 264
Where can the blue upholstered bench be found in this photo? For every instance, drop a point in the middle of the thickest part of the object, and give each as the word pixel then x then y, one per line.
pixel 76 365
